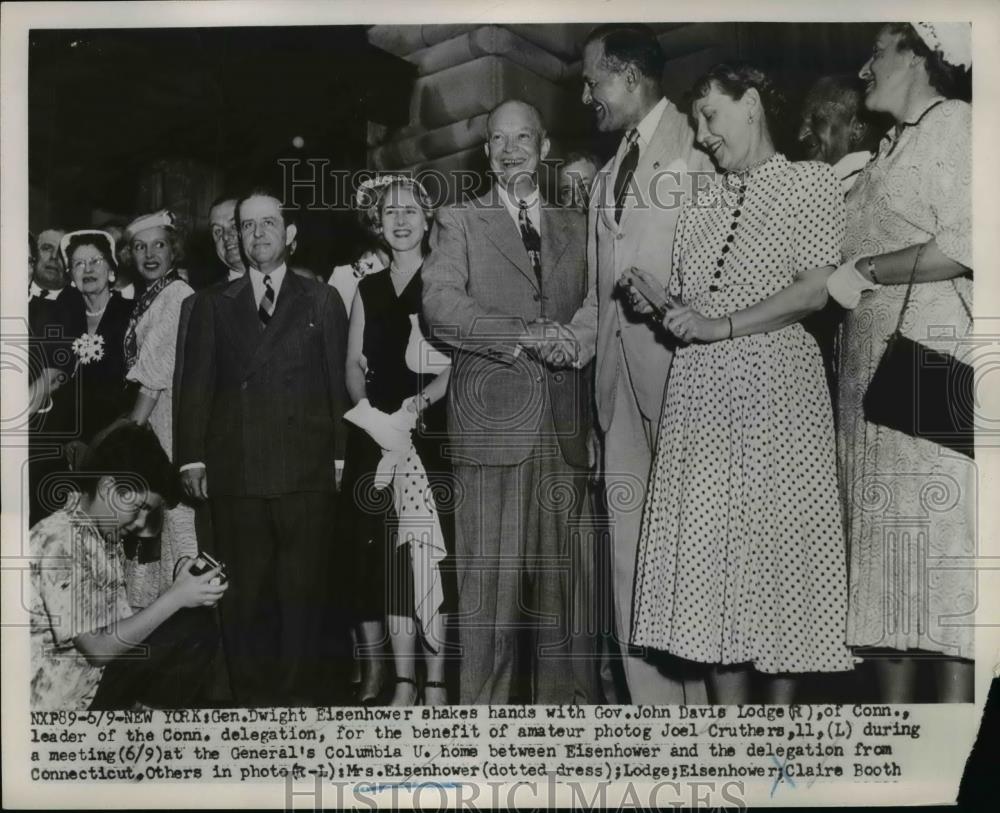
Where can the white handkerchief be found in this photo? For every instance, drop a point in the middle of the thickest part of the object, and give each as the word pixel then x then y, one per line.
pixel 846 285
pixel 391 432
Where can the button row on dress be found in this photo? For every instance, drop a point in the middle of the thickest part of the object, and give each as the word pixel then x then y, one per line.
pixel 721 261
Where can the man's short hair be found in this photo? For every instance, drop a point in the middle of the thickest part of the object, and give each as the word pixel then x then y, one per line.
pixel 581 155
pixel 535 114
pixel 223 198
pixel 630 44
pixel 264 191
pixel 843 91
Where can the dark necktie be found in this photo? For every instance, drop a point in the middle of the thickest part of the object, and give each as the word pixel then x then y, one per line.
pixel 44 294
pixel 266 309
pixel 625 169
pixel 533 244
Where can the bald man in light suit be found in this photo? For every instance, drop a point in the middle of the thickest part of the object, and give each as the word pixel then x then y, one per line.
pixel 499 266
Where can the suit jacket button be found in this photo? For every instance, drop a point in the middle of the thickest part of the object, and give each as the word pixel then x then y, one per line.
pixel 620 236
pixel 536 297
pixel 618 333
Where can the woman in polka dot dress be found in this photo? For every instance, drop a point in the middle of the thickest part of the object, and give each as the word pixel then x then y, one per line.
pixel 741 558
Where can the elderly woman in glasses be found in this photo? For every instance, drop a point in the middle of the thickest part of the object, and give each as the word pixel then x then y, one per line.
pixel 88 388
pixel 909 507
pixel 150 350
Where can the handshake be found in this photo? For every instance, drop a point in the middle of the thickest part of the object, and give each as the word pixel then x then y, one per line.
pixel 552 343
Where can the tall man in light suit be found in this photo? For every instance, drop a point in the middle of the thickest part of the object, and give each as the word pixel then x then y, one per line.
pixel 499 266
pixel 632 218
pixel 260 428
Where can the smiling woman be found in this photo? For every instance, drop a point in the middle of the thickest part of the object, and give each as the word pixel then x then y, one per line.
pixel 728 573
pixel 150 348
pixel 909 216
pixel 389 367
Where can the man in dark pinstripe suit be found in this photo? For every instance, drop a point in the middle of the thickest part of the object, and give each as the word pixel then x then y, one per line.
pixel 259 430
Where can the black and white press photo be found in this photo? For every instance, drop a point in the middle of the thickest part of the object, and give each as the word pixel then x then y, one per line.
pixel 582 400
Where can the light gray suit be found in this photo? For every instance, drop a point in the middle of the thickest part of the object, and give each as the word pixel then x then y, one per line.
pixel 517 432
pixel 633 359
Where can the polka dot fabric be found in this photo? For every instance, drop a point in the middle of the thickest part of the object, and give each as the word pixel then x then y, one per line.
pixel 741 556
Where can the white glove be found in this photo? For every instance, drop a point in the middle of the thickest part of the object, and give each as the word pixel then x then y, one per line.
pixel 846 285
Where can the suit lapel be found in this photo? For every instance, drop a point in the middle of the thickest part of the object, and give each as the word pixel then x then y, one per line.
pixel 501 231
pixel 240 317
pixel 603 197
pixel 554 240
pixel 652 160
pixel 288 306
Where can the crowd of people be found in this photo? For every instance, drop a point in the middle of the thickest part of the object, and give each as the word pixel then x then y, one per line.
pixel 614 450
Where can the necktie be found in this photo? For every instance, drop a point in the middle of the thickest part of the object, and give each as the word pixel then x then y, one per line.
pixel 533 244
pixel 266 309
pixel 43 294
pixel 625 170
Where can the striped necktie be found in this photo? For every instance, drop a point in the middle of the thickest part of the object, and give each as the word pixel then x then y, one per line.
pixel 266 309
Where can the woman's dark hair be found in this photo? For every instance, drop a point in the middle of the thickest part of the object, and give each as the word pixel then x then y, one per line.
pixel 132 454
pixel 948 80
pixel 735 79
pixel 32 250
pixel 97 241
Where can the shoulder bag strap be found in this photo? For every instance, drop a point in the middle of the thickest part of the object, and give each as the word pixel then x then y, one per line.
pixel 909 290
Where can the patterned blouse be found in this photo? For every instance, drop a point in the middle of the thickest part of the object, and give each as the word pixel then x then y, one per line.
pixel 77 586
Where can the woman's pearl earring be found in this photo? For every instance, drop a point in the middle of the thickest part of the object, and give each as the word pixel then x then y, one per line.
pixel 112 276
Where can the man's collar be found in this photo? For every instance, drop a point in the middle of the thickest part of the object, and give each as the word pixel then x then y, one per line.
pixel 509 198
pixel 647 127
pixel 233 274
pixel 34 289
pixel 277 274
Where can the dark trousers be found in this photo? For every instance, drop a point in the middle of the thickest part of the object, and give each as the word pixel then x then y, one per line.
pixel 168 671
pixel 525 574
pixel 277 624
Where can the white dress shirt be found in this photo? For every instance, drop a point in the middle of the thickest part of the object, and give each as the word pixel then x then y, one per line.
pixel 257 281
pixel 233 274
pixel 647 129
pixel 513 207
pixel 37 290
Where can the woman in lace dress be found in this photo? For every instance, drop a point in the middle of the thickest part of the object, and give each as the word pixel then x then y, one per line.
pixel 909 503
pixel 150 347
pixel 741 555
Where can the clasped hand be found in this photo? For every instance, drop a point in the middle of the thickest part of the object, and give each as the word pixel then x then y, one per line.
pixel 552 343
pixel 680 319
